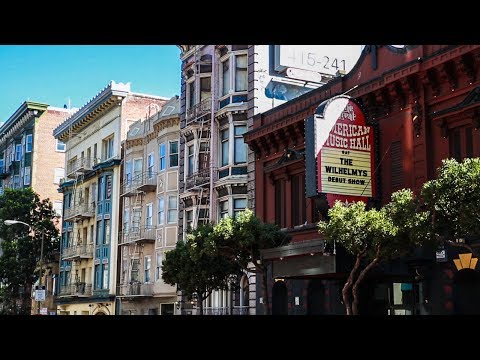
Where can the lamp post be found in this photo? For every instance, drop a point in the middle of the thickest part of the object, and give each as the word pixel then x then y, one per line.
pixel 12 222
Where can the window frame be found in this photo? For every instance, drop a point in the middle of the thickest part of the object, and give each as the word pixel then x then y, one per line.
pixel 172 210
pixel 162 159
pixel 58 146
pixel 29 141
pixel 170 154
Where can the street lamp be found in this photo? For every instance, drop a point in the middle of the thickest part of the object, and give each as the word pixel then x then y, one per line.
pixel 13 222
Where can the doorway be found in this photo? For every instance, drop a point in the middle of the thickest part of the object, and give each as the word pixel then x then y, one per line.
pixel 466 293
pixel 279 298
pixel 315 297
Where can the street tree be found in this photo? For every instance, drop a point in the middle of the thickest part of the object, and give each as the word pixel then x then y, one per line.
pixel 241 239
pixel 196 271
pixel 452 200
pixel 21 246
pixel 373 236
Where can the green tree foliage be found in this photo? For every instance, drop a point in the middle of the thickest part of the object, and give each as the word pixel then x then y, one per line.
pixel 452 201
pixel 373 236
pixel 194 270
pixel 241 239
pixel 21 248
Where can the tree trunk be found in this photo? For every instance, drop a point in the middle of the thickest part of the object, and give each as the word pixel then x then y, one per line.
pixel 266 307
pixel 200 303
pixel 361 277
pixel 349 282
pixel 27 299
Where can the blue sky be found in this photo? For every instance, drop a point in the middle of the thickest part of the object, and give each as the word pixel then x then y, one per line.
pixel 53 74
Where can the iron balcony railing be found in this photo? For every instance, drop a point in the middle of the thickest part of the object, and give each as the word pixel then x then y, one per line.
pixel 145 233
pixel 77 289
pixel 236 310
pixel 198 178
pixel 145 181
pixel 79 166
pixel 78 212
pixel 198 110
pixel 78 251
pixel 135 289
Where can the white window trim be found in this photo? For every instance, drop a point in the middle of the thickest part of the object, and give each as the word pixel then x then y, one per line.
pixel 26 175
pixel 230 55
pixel 145 262
pixel 149 206
pixel 158 274
pixel 169 154
pixel 129 162
pixel 163 211
pixel 26 143
pixel 57 143
pixel 160 157
pixel 173 209
pixel 19 157
pixel 134 174
pixel 151 172
pixel 187 92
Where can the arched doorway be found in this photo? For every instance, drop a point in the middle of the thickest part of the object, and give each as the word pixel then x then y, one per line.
pixel 466 293
pixel 315 297
pixel 279 298
pixel 100 313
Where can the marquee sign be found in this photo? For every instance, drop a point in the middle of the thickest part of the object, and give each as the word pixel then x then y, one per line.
pixel 343 149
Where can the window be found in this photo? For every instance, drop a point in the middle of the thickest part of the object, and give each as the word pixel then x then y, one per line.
pixel 126 220
pixel 280 211
pixel 149 215
pixel 240 146
pixel 190 160
pixel 225 77
pixel 137 212
pixel 108 187
pixel 18 152
pixel 241 72
pixel 128 172
pixel 223 209
pixel 58 207
pixel 188 219
pixel 99 232
pixel 1 165
pixel 203 156
pixel 106 236
pixel 58 174
pixel 239 205
pixel 16 181
pixel 299 208
pixel 108 148
pixel 173 153
pixel 205 88
pixel 396 166
pixel 28 147
pixel 26 176
pixel 461 143
pixel 97 277
pixel 137 169
pixel 150 164
pixel 60 146
pixel 158 266
pixel 224 140
pixel 162 155
pixel 161 210
pixel 172 209
pixel 135 268
pixel 191 94
pixel 146 267
pixel 105 276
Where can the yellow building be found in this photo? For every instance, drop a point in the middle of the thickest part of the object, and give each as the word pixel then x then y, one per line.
pixel 91 195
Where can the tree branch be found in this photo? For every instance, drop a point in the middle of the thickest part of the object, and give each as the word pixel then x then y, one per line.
pixel 361 277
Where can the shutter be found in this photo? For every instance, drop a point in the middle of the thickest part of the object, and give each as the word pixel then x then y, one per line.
pixel 396 165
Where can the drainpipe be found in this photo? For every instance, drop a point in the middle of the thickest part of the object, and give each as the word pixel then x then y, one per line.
pixel 212 136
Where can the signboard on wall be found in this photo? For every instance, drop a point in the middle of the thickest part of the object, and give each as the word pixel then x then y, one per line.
pixel 322 59
pixel 343 151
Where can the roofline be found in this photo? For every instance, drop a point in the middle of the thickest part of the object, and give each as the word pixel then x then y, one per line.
pixel 150 96
pixel 112 89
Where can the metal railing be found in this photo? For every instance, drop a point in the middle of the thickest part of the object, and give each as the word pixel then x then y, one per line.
pixel 79 211
pixel 145 181
pixel 78 289
pixel 199 178
pixel 135 289
pixel 236 310
pixel 145 233
pixel 80 165
pixel 82 251
pixel 198 110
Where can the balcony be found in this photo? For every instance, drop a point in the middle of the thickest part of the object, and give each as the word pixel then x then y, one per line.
pixel 78 252
pixel 236 310
pixel 146 182
pixel 200 178
pixel 79 212
pixel 135 289
pixel 146 234
pixel 80 289
pixel 79 166
pixel 199 110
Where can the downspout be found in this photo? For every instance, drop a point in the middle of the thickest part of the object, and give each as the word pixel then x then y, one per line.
pixel 212 137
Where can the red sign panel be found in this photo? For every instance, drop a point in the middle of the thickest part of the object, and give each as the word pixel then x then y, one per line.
pixel 344 152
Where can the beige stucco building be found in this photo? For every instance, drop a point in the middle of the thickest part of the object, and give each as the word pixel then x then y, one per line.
pixel 91 193
pixel 149 201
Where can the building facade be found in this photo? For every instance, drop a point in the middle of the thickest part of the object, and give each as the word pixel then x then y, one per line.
pixel 31 157
pixel 149 192
pixel 91 193
pixel 223 87
pixel 423 102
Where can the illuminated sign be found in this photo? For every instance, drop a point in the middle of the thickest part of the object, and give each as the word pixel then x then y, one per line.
pixel 323 59
pixel 344 150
